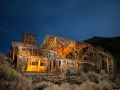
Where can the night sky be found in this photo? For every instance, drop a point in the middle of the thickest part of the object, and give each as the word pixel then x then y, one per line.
pixel 74 19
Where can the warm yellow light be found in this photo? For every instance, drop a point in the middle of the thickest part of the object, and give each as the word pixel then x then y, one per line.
pixel 77 65
pixel 68 49
pixel 37 65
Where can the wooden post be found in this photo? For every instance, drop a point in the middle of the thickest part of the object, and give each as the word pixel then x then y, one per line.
pixel 13 54
pixel 74 52
pixel 18 66
pixel 32 51
pixel 50 65
pixel 30 63
pixel 36 52
pixel 26 65
pixel 46 65
pixel 78 54
pixel 18 50
pixel 75 58
pixel 17 62
pixel 39 65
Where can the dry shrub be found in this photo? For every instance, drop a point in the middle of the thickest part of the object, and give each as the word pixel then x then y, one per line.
pixel 106 78
pixel 109 80
pixel 104 85
pixel 11 80
pixel 102 72
pixel 10 61
pixel 93 76
pixel 66 86
pixel 14 85
pixel 2 56
pixel 3 59
pixel 38 78
pixel 23 80
pixel 7 73
pixel 88 86
pixel 53 87
pixel 114 86
pixel 117 80
pixel 41 85
pixel 63 86
pixel 83 77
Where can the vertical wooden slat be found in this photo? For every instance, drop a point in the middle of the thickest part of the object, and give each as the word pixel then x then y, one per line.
pixel 17 63
pixel 30 63
pixel 13 54
pixel 32 51
pixel 39 65
pixel 46 65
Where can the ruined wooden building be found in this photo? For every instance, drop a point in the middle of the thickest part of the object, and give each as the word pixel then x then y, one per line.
pixel 57 54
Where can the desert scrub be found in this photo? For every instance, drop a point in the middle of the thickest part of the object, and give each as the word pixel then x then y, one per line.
pixel 41 85
pixel 38 78
pixel 63 86
pixel 106 78
pixel 88 85
pixel 83 77
pixel 117 80
pixel 53 87
pixel 7 73
pixel 93 77
pixel 104 85
pixel 14 85
pixel 3 60
pixel 102 72
pixel 67 86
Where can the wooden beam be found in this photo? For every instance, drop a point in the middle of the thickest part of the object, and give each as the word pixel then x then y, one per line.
pixel 13 55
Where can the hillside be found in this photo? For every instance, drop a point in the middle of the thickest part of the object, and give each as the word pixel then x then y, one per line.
pixel 12 80
pixel 108 44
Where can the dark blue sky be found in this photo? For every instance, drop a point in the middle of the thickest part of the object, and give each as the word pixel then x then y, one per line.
pixel 74 19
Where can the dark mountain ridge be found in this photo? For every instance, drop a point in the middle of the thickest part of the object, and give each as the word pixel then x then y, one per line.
pixel 108 44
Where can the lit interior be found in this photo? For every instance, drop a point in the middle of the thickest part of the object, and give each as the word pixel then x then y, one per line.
pixel 36 64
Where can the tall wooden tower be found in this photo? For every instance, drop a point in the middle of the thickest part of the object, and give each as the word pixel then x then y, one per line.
pixel 29 39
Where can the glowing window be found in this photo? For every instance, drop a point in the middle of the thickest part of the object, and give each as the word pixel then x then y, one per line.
pixel 34 63
pixel 42 64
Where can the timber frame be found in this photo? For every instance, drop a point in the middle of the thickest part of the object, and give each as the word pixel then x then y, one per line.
pixel 57 54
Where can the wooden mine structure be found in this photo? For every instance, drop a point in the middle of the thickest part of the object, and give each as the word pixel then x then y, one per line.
pixel 57 54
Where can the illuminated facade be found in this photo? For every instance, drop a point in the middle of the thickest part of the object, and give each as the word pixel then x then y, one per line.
pixel 56 54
